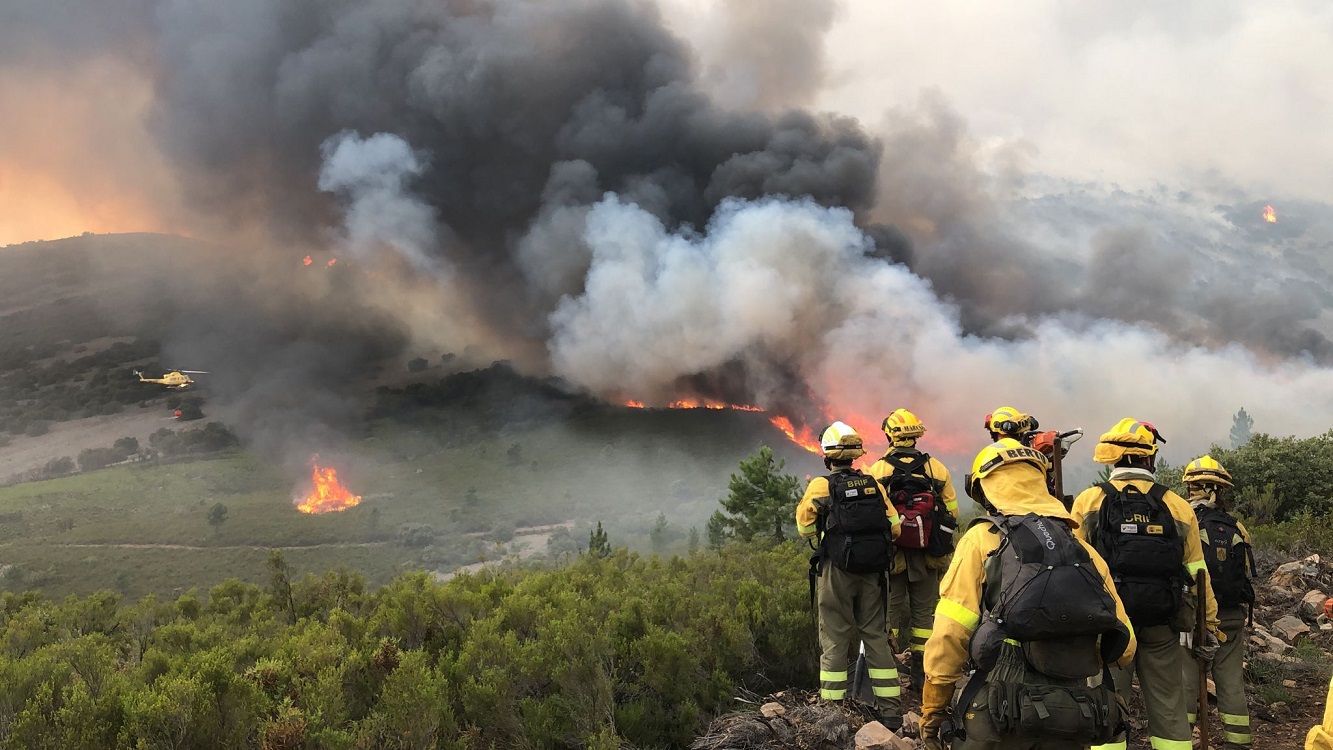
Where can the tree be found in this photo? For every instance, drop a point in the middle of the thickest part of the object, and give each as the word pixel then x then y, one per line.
pixel 216 515
pixel 280 584
pixel 598 543
pixel 717 530
pixel 1241 424
pixel 761 500
pixel 418 364
pixel 658 535
pixel 694 540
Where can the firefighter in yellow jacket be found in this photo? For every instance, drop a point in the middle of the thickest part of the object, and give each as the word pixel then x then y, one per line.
pixel 855 524
pixel 1321 737
pixel 975 620
pixel 1149 538
pixel 1227 550
pixel 921 490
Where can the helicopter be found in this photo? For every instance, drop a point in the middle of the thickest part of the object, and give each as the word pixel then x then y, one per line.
pixel 176 379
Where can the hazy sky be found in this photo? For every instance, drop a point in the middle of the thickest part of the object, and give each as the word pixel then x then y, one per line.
pixel 1135 92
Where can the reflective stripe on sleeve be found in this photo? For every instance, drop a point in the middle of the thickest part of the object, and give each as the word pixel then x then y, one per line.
pixel 1195 567
pixel 958 613
pixel 806 530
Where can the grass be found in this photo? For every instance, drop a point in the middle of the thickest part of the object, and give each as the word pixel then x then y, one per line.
pixel 463 482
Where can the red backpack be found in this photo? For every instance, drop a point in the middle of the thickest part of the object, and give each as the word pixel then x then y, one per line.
pixel 913 494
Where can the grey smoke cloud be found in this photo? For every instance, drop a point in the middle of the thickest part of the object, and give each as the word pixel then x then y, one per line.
pixel 607 219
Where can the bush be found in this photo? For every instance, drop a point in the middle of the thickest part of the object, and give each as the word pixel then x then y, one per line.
pixel 417 365
pixel 416 534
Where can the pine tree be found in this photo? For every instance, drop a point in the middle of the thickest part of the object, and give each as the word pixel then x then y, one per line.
pixel 694 539
pixel 717 530
pixel 598 544
pixel 761 500
pixel 1241 424
pixel 658 535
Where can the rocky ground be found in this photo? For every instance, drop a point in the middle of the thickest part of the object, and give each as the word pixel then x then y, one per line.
pixel 1287 671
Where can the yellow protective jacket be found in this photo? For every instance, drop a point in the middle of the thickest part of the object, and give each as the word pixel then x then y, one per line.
pixel 1321 737
pixel 939 476
pixel 959 611
pixel 1089 502
pixel 815 502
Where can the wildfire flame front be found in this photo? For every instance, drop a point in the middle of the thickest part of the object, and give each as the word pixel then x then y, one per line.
pixel 1270 215
pixel 327 494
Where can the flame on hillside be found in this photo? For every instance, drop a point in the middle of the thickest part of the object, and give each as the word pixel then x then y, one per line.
pixel 327 494
pixel 307 260
pixel 1270 215
pixel 804 436
pixel 696 404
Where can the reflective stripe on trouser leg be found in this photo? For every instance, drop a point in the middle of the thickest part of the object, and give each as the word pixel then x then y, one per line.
pixel 1236 729
pixel 884 683
pixel 832 685
pixel 1121 745
pixel 1158 663
pixel 1229 675
pixel 919 638
pixel 837 633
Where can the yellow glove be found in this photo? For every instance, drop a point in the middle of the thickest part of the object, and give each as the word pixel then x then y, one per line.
pixel 930 730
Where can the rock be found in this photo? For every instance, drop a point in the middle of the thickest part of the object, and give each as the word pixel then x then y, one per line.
pixel 1292 574
pixel 911 724
pixel 1265 642
pixel 875 736
pixel 1311 607
pixel 1212 688
pixel 1288 683
pixel 769 710
pixel 1291 629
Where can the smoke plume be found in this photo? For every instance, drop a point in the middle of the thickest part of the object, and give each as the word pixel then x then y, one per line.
pixel 563 183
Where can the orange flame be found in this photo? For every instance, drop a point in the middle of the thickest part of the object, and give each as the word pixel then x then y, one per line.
pixel 804 437
pixel 696 404
pixel 331 262
pixel 328 494
pixel 307 260
pixel 1270 215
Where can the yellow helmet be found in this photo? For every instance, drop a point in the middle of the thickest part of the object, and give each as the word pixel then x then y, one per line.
pixel 902 426
pixel 841 443
pixel 1000 453
pixel 1129 437
pixel 1007 420
pixel 1206 470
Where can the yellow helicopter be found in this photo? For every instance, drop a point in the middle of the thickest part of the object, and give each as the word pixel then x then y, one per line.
pixel 176 379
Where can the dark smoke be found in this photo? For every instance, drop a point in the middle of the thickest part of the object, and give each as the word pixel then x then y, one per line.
pixel 552 177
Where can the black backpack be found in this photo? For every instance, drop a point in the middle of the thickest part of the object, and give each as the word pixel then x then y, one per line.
pixel 857 534
pixel 1137 536
pixel 1229 557
pixel 1047 616
pixel 927 523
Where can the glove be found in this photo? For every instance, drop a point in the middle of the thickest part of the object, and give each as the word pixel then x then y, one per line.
pixel 930 730
pixel 1206 651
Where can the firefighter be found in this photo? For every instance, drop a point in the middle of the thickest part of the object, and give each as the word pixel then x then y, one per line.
pixel 1149 537
pixel 1321 737
pixel 1007 421
pixel 1227 550
pixel 987 602
pixel 922 492
pixel 850 515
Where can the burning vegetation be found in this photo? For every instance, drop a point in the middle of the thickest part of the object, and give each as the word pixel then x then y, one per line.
pixel 326 494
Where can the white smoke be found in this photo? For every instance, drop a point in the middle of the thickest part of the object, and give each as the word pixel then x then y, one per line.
pixel 788 281
pixel 373 175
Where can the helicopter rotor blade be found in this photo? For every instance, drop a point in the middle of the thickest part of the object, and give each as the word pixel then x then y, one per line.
pixel 195 372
